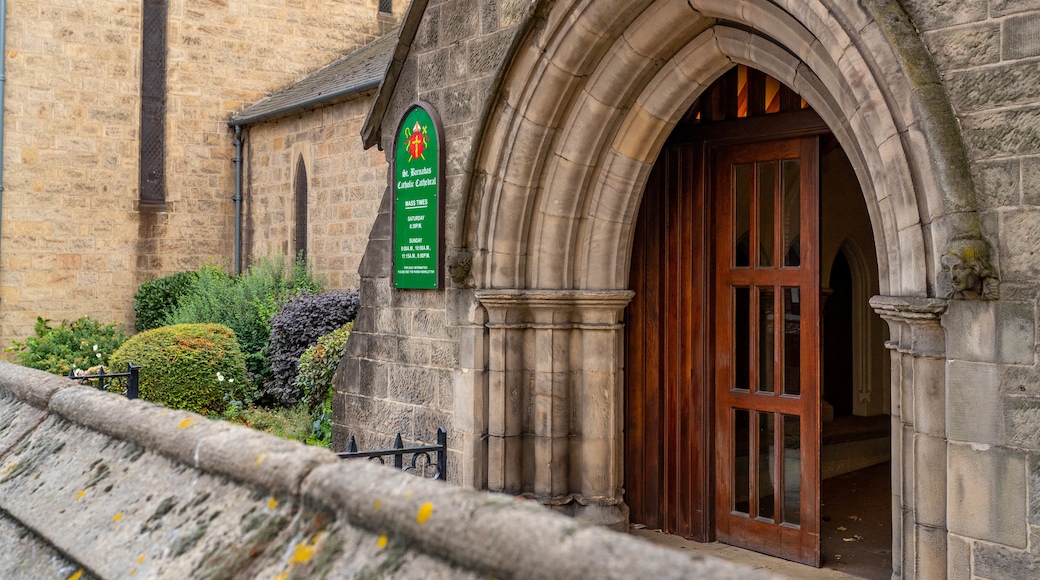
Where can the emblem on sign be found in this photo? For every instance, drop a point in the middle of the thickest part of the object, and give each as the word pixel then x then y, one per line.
pixel 416 141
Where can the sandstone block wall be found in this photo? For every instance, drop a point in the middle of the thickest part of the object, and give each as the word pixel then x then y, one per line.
pixel 74 242
pixel 104 487
pixel 345 186
pixel 988 54
pixel 402 373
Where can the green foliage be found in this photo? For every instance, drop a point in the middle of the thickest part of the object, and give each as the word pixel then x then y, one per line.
pixel 318 364
pixel 314 381
pixel 292 423
pixel 81 344
pixel 156 299
pixel 244 303
pixel 196 367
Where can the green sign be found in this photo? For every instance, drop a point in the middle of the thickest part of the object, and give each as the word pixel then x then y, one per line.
pixel 418 186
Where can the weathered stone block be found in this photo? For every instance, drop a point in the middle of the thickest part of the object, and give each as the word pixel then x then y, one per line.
pixel 965 46
pixel 1022 36
pixel 1023 422
pixel 996 133
pixel 958 558
pixel 930 482
pixel 974 407
pixel 1034 489
pixel 929 389
pixel 933 14
pixel 997 183
pixel 991 331
pixel 995 561
pixel 384 416
pixel 415 385
pixel 1031 181
pixel 931 552
pixel 993 86
pixel 986 493
pixel 372 379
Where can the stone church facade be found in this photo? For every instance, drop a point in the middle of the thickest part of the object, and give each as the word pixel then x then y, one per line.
pixel 84 225
pixel 557 117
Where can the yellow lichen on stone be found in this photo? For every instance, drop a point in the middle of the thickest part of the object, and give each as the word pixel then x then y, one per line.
pixel 282 576
pixel 79 495
pixel 424 512
pixel 382 541
pixel 141 559
pixel 185 423
pixel 134 571
pixel 76 575
pixel 379 505
pixel 259 459
pixel 272 503
pixel 117 517
pixel 304 551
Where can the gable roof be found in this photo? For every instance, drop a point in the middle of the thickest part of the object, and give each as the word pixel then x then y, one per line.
pixel 372 130
pixel 363 70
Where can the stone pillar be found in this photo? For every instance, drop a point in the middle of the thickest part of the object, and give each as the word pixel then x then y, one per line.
pixel 919 445
pixel 555 394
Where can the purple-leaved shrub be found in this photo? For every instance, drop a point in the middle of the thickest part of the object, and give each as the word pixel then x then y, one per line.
pixel 302 321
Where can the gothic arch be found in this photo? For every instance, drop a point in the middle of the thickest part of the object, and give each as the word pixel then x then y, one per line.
pixel 594 90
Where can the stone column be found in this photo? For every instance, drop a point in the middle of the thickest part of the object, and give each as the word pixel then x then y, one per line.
pixel 555 394
pixel 919 445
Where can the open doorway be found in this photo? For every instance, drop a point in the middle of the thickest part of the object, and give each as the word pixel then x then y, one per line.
pixel 689 465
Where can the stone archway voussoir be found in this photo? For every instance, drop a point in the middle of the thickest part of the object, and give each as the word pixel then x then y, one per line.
pixel 589 126
pixel 664 28
pixel 641 135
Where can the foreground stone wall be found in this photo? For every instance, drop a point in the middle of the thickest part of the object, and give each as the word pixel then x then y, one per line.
pixel 345 185
pixel 94 484
pixel 74 242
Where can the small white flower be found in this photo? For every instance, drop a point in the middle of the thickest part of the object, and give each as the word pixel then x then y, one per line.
pixel 220 377
pixel 231 380
pixel 99 355
pixel 95 348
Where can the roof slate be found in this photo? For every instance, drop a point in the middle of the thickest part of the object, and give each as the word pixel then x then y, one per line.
pixel 349 76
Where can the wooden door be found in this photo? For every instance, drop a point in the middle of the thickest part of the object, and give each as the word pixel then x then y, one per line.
pixel 668 436
pixel 766 348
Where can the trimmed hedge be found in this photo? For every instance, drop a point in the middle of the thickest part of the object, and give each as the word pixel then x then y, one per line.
pixel 302 321
pixel 195 367
pixel 156 300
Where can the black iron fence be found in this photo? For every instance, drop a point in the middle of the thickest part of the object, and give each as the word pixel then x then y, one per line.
pixel 422 457
pixel 103 380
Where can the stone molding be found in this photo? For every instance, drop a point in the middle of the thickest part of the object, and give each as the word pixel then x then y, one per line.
pixel 555 389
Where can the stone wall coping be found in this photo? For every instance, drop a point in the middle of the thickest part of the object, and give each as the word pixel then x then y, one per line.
pixel 502 535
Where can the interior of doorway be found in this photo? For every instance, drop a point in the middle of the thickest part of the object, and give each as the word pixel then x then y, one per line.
pixel 855 466
pixel 854 434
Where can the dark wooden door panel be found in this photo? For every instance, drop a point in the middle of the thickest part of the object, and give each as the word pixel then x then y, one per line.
pixel 667 419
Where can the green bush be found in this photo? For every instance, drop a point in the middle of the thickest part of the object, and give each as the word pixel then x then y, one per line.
pixel 81 344
pixel 196 367
pixel 156 299
pixel 318 364
pixel 244 303
pixel 314 381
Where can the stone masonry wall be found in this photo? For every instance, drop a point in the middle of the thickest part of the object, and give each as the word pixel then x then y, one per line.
pixel 988 53
pixel 73 241
pixel 345 185
pixel 402 372
pixel 95 486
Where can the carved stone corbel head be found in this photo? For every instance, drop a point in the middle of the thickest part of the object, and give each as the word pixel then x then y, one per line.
pixel 972 275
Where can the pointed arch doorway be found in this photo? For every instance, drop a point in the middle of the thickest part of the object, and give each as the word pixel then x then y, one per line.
pixel 724 402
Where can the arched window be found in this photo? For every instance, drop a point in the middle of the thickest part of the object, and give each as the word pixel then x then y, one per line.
pixel 300 206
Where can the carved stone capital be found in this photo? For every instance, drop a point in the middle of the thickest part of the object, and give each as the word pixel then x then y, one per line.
pixel 914 323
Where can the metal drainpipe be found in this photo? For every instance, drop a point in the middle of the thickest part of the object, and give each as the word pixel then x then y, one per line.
pixel 237 198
